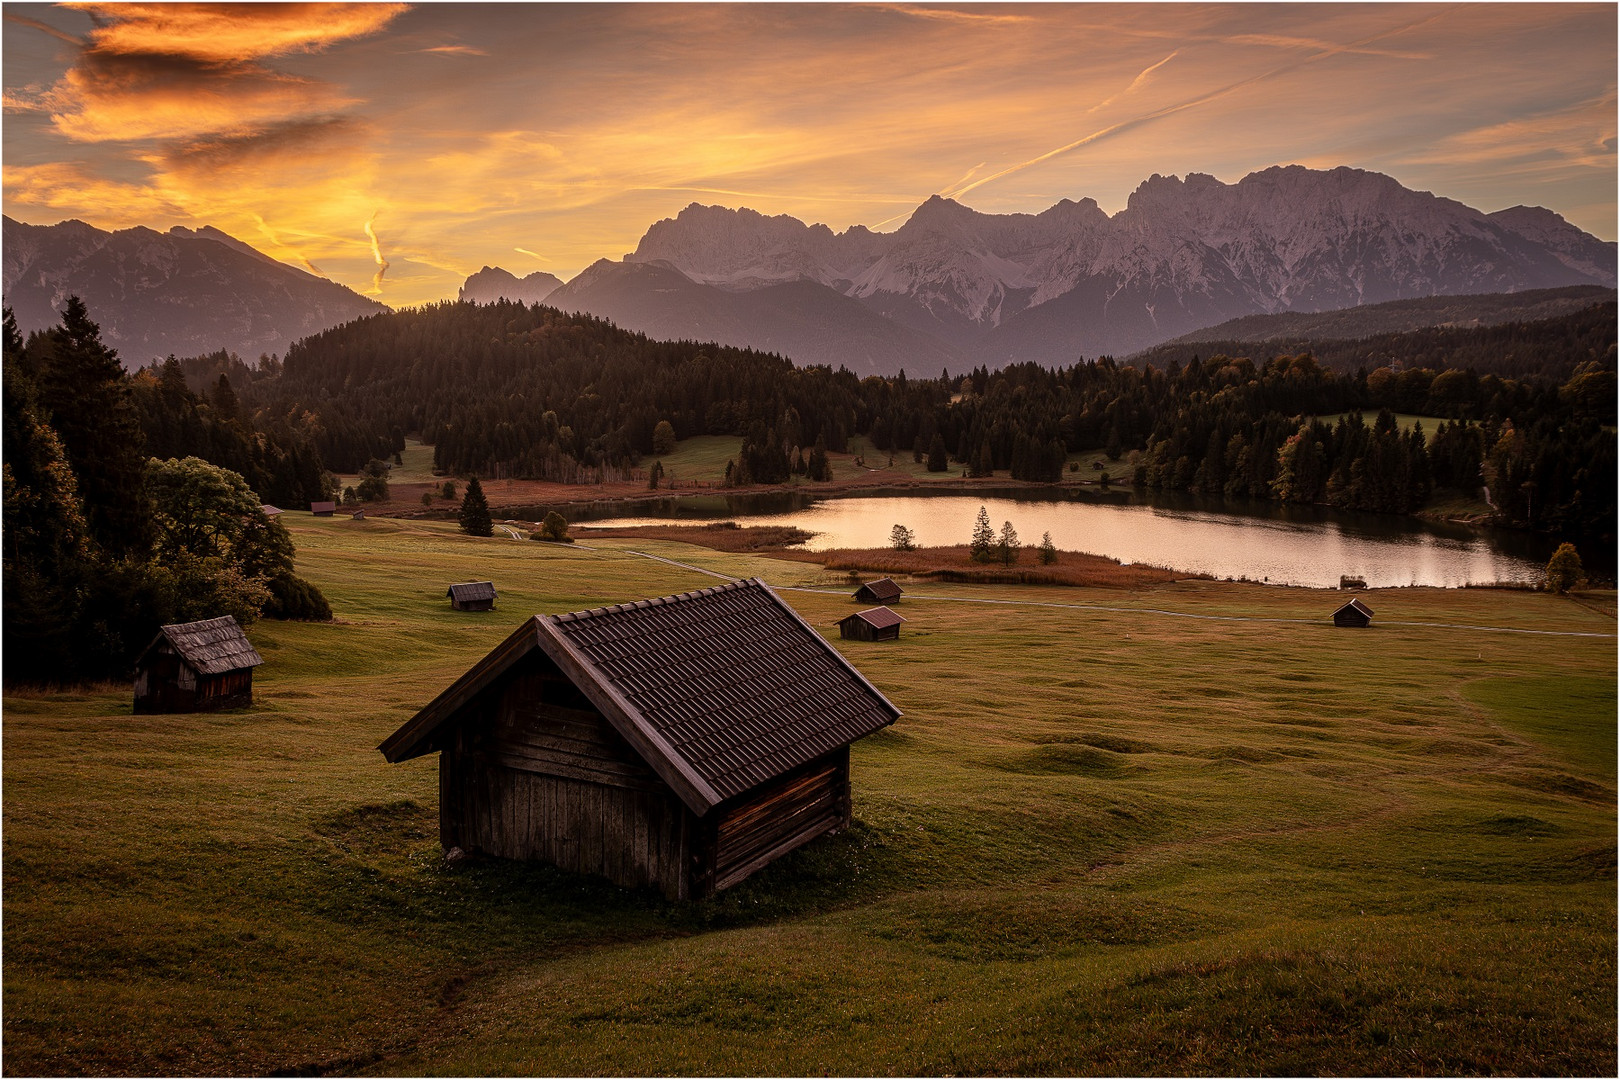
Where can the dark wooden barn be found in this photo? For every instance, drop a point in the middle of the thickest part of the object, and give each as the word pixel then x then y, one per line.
pixel 195 667
pixel 322 509
pixel 472 596
pixel 873 624
pixel 1354 613
pixel 681 743
pixel 881 591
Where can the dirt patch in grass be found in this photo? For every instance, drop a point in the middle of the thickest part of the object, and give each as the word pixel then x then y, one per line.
pixel 956 564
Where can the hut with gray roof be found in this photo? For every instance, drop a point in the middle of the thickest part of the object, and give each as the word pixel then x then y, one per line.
pixel 882 591
pixel 472 596
pixel 681 743
pixel 196 667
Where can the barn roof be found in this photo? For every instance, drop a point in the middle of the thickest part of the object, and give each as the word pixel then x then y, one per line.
pixel 883 589
pixel 211 647
pixel 879 618
pixel 268 510
pixel 472 590
pixel 719 690
pixel 322 507
pixel 1357 605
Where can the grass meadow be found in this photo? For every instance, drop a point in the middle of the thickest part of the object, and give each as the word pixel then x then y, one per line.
pixel 1102 840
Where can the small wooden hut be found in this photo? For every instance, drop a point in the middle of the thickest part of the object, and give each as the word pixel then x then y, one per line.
pixel 358 515
pixel 873 624
pixel 322 509
pixel 196 667
pixel 1354 613
pixel 681 743
pixel 472 596
pixel 270 511
pixel 881 591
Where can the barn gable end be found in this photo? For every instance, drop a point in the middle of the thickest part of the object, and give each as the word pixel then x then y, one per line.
pixel 197 666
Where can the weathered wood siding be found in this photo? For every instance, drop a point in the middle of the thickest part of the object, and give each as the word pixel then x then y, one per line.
pixel 544 776
pixel 472 605
pixel 167 684
pixel 861 630
pixel 772 820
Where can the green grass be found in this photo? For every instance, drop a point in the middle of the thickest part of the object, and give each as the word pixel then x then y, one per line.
pixel 1097 842
pixel 1403 420
pixel 701 457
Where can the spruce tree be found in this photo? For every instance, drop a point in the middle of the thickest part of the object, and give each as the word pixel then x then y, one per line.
pixel 475 519
pixel 984 537
pixel 86 394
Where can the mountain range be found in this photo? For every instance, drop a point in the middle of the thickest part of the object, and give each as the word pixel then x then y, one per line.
pixel 188 292
pixel 952 287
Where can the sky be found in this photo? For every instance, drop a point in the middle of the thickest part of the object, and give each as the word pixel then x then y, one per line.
pixel 398 148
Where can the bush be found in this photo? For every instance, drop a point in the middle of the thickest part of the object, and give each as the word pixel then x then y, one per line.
pixel 291 597
pixel 553 529
pixel 372 489
pixel 1564 569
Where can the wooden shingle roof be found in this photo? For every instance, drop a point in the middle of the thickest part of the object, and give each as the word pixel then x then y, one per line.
pixel 472 590
pixel 879 618
pixel 210 647
pixel 719 690
pixel 1355 603
pixel 883 590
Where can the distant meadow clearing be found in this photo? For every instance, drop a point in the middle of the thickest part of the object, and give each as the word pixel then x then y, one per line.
pixel 1105 838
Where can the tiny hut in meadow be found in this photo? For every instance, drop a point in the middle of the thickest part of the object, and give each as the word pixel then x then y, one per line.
pixel 881 591
pixel 196 667
pixel 873 624
pixel 270 511
pixel 472 596
pixel 680 743
pixel 1354 613
pixel 322 509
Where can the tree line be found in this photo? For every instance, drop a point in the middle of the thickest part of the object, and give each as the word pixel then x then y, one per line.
pixel 104 541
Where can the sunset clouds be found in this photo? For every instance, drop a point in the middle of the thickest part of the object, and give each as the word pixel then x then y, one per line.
pixel 400 148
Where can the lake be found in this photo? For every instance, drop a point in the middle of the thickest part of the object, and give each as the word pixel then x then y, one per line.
pixel 1225 538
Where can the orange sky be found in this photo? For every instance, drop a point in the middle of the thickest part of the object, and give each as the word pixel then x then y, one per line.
pixel 397 148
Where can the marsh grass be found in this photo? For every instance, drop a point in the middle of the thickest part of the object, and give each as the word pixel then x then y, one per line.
pixel 1098 842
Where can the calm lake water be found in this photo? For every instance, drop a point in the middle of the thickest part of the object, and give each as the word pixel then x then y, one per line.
pixel 1259 541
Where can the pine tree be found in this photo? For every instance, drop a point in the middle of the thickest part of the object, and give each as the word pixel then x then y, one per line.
pixel 1008 546
pixel 937 461
pixel 1048 549
pixel 86 394
pixel 475 519
pixel 984 537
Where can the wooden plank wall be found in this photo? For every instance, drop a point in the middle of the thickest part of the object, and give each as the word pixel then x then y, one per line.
pixel 780 816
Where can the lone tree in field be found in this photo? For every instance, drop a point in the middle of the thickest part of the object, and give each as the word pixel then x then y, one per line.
pixel 1564 569
pixel 475 519
pixel 902 539
pixel 554 528
pixel 984 537
pixel 1047 549
pixel 664 438
pixel 1007 546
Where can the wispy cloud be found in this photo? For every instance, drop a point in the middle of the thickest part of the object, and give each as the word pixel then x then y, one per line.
pixel 376 253
pixel 455 50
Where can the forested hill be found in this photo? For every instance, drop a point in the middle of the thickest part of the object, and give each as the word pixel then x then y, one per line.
pixel 1543 348
pixel 505 389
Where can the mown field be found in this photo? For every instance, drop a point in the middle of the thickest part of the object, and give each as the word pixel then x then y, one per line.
pixel 1099 841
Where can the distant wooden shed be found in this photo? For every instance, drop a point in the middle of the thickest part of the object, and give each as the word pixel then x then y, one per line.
pixel 1354 613
pixel 881 591
pixel 322 509
pixel 680 743
pixel 873 624
pixel 472 596
pixel 196 667
pixel 270 511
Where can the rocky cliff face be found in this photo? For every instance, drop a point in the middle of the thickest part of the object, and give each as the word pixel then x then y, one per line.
pixel 1071 281
pixel 187 292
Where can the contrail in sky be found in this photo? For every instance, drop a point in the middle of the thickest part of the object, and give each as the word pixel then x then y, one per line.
pixel 1192 103
pixel 532 254
pixel 1135 83
pixel 270 235
pixel 376 253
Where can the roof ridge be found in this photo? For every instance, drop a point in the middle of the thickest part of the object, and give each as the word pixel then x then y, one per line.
pixel 656 601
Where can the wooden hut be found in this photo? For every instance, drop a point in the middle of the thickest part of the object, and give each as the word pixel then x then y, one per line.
pixel 873 624
pixel 358 515
pixel 680 743
pixel 472 596
pixel 196 667
pixel 1354 613
pixel 270 511
pixel 881 591
pixel 322 509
